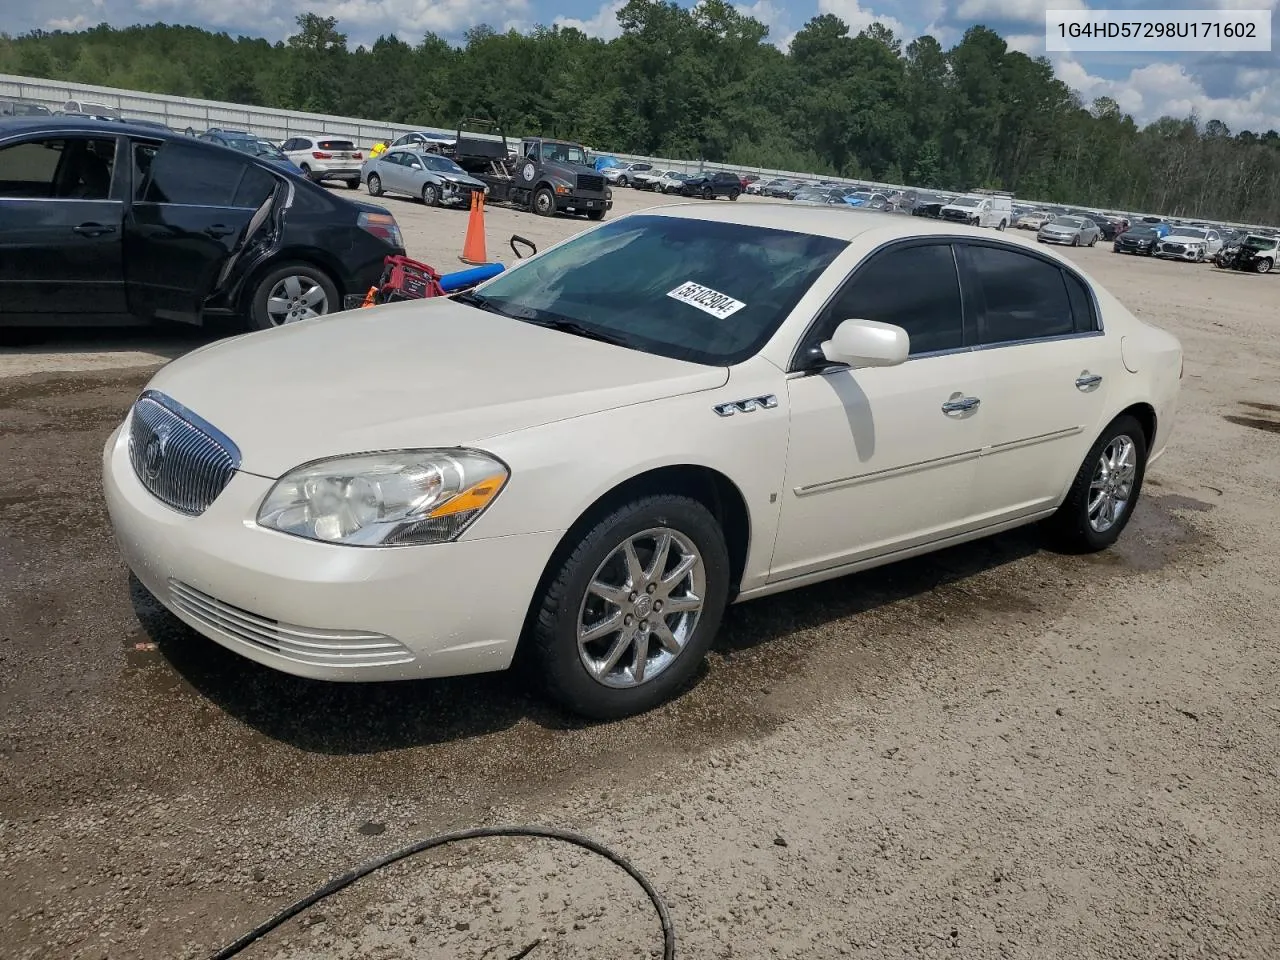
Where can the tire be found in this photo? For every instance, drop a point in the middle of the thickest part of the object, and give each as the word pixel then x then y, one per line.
pixel 734 194
pixel 431 195
pixel 375 185
pixel 353 184
pixel 566 602
pixel 595 215
pixel 1264 265
pixel 1071 528
pixel 1093 241
pixel 708 193
pixel 623 182
pixel 543 202
pixel 1075 241
pixel 1003 224
pixel 306 172
pixel 273 284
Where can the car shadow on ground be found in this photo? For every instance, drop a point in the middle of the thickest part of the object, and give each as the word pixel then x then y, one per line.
pixel 363 718
pixel 167 340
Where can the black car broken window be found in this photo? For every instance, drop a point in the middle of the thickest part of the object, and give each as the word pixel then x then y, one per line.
pixel 191 176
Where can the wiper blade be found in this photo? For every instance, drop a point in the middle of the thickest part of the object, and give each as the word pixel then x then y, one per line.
pixel 473 299
pixel 577 329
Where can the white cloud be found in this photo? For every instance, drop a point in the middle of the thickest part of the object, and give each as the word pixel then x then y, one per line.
pixel 1023 11
pixel 1032 44
pixel 69 24
pixel 776 19
pixel 603 25
pixel 859 18
pixel 1167 89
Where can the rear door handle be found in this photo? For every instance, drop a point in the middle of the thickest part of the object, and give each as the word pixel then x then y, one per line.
pixel 1087 380
pixel 961 404
pixel 93 229
pixel 219 230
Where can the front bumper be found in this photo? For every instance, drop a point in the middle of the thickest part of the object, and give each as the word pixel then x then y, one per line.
pixel 1185 254
pixel 571 202
pixel 1054 238
pixel 318 610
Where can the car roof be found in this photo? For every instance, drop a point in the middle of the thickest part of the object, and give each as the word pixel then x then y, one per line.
pixel 834 222
pixel 10 126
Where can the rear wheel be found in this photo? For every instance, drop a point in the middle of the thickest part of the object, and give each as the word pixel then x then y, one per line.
pixel 708 193
pixel 353 184
pixel 306 172
pixel 1105 490
pixel 292 292
pixel 375 185
pixel 544 202
pixel 628 616
pixel 734 194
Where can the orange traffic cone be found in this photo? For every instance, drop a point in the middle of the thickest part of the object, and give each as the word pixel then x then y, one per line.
pixel 473 251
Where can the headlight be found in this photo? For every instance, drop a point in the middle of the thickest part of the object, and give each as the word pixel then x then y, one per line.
pixel 396 498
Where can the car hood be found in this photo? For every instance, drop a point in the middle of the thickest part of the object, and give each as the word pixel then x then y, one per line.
pixel 410 374
pixel 461 179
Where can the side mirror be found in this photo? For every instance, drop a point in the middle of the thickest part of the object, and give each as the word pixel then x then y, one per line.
pixel 867 343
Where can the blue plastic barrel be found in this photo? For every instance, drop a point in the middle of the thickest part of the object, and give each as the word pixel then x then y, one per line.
pixel 462 279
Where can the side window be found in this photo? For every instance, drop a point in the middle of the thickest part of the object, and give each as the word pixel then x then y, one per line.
pixel 289 145
pixel 187 175
pixel 1018 296
pixel 915 288
pixel 255 186
pixel 69 168
pixel 1081 303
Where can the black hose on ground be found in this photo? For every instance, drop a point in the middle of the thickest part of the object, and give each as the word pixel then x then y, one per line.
pixel 430 843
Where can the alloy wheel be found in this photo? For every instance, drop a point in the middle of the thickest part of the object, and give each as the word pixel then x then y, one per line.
pixel 1112 487
pixel 296 297
pixel 641 608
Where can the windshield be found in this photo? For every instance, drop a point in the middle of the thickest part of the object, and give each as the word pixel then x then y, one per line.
pixel 1068 221
pixel 697 290
pixel 568 153
pixel 442 164
pixel 1190 234
pixel 1142 232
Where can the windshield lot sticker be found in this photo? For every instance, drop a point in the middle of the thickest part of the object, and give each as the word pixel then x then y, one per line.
pixel 710 301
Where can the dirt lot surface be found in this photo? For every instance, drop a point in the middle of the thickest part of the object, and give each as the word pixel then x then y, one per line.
pixel 994 752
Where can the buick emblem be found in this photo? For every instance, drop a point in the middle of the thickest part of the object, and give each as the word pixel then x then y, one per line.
pixel 153 455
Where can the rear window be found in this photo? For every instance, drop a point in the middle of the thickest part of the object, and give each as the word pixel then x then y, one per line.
pixel 697 290
pixel 336 145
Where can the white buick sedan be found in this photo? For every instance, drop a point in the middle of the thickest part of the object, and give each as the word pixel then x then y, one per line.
pixel 590 455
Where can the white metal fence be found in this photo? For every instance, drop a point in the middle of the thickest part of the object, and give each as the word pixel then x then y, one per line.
pixel 188 113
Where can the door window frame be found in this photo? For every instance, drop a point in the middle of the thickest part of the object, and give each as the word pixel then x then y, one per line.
pixel 796 367
pixel 116 192
pixel 246 162
pixel 973 298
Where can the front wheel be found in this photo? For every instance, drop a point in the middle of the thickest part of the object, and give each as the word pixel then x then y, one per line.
pixel 375 185
pixel 1105 490
pixel 623 182
pixel 1264 265
pixel 431 195
pixel 595 214
pixel 292 292
pixel 628 616
pixel 708 193
pixel 544 202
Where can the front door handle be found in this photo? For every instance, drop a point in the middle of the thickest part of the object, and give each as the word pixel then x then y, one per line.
pixel 219 230
pixel 1087 380
pixel 93 229
pixel 961 404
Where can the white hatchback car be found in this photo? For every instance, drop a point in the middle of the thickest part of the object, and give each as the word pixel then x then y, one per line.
pixel 326 158
pixel 593 453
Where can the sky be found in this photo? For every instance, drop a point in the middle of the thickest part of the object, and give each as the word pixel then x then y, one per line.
pixel 1240 89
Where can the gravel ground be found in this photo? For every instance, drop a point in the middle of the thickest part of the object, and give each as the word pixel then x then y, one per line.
pixel 995 751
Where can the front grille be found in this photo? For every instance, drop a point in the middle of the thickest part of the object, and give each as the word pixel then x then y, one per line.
pixel 1173 248
pixel 591 182
pixel 321 648
pixel 954 215
pixel 182 460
